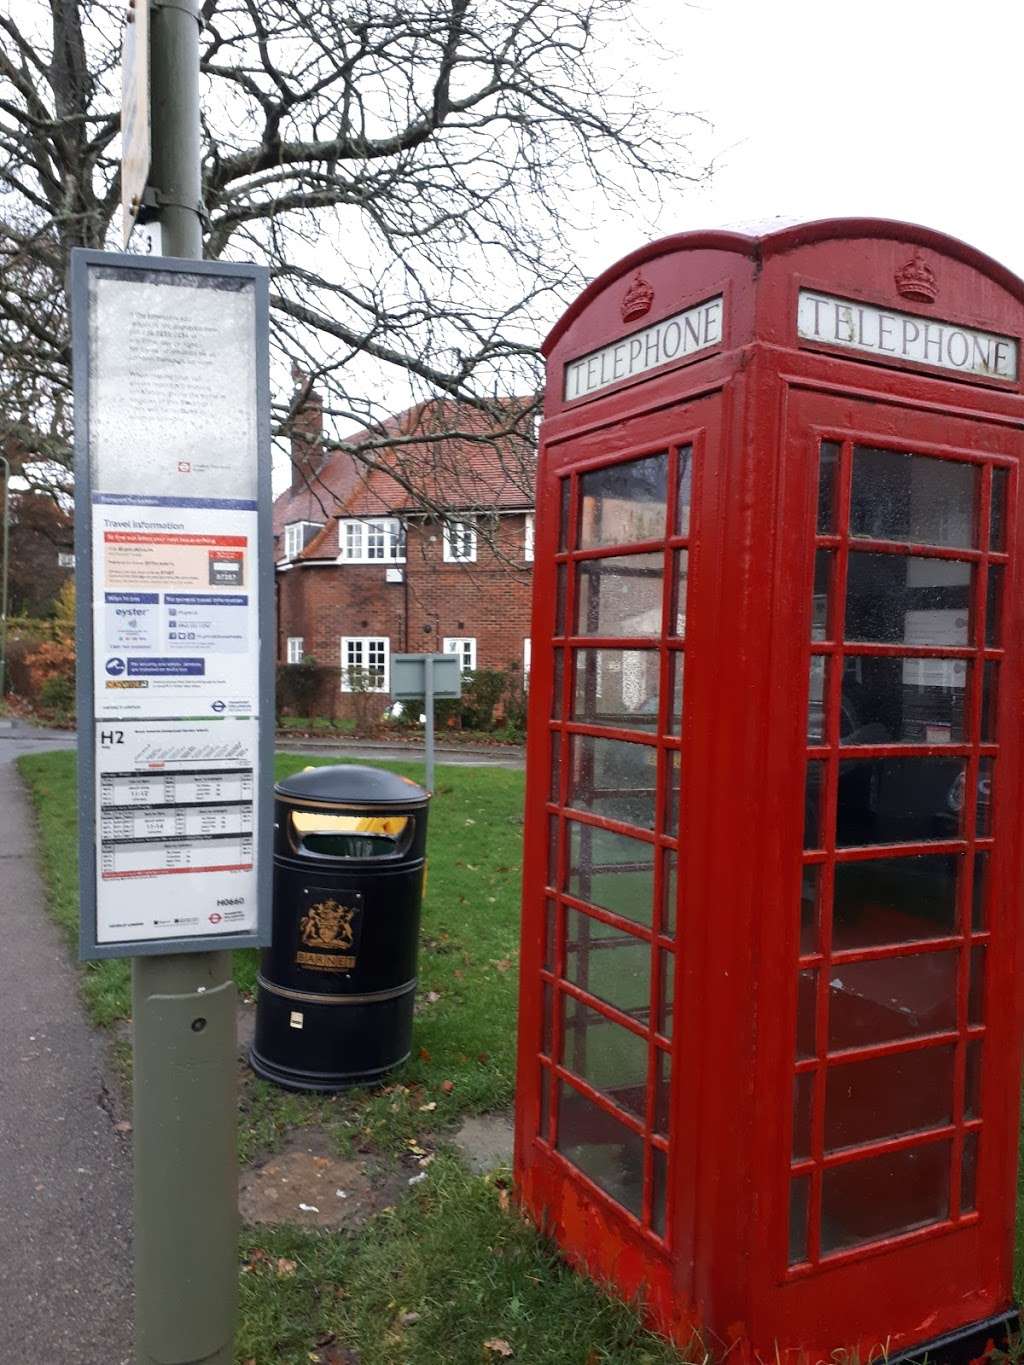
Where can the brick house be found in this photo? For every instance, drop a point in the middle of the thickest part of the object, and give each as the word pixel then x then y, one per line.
pixel 365 568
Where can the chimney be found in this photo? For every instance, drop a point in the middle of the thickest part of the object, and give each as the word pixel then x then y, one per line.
pixel 307 432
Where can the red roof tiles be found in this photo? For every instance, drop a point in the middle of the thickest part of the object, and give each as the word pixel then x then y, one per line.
pixel 443 456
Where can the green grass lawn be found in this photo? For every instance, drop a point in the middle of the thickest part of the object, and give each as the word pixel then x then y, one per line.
pixel 451 1252
pixel 469 936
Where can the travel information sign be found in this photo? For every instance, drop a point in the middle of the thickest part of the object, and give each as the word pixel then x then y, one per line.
pixel 175 626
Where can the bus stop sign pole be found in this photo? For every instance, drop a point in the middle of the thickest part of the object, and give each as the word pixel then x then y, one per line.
pixel 183 1004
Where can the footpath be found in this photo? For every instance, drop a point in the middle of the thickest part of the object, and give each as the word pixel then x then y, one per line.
pixel 65 1173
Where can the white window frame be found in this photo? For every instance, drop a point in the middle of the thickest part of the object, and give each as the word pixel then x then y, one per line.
pixel 460 542
pixel 371 540
pixel 293 649
pixel 527 658
pixel 356 651
pixel 465 647
pixel 528 537
pixel 295 538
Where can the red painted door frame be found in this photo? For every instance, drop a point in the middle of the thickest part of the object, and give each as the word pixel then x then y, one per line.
pixel 947 1274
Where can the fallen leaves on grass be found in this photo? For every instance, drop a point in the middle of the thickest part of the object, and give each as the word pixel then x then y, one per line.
pixel 447 1087
pixel 335 1355
pixel 284 1267
pixel 499 1346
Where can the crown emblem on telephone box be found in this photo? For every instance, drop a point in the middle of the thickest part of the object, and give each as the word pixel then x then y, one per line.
pixel 637 299
pixel 916 280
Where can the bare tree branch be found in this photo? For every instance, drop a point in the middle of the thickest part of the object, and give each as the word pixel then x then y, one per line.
pixel 415 173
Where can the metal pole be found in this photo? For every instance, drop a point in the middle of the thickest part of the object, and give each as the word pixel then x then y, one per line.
pixel 175 168
pixel 428 709
pixel 183 1005
pixel 3 575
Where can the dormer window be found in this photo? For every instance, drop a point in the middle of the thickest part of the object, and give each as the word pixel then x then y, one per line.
pixel 297 535
pixel 371 540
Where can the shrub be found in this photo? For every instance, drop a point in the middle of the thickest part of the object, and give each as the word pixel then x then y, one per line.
pixel 51 673
pixel 45 670
pixel 58 693
pixel 23 639
pixel 514 703
pixel 482 690
pixel 298 686
pixel 64 609
pixel 447 713
pixel 488 695
pixel 366 702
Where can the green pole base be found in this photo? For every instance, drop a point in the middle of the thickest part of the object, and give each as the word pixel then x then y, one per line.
pixel 186 1167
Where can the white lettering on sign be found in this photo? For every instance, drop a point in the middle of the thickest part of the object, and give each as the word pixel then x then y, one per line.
pixel 905 336
pixel 685 334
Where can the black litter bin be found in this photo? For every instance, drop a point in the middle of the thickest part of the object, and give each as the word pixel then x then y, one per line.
pixel 336 989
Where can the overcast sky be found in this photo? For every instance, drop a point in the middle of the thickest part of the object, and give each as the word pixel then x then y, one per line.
pixel 905 109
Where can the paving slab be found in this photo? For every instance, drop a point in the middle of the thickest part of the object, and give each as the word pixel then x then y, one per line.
pixel 65 1173
pixel 486 1141
pixel 308 1185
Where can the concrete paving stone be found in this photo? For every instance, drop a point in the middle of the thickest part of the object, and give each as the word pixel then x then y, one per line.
pixel 485 1141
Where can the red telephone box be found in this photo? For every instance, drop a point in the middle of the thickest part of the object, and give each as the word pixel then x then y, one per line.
pixel 770 1038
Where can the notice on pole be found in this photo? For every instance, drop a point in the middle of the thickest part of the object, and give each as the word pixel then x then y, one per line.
pixel 175 631
pixel 175 802
pixel 136 135
pixel 172 398
pixel 174 620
